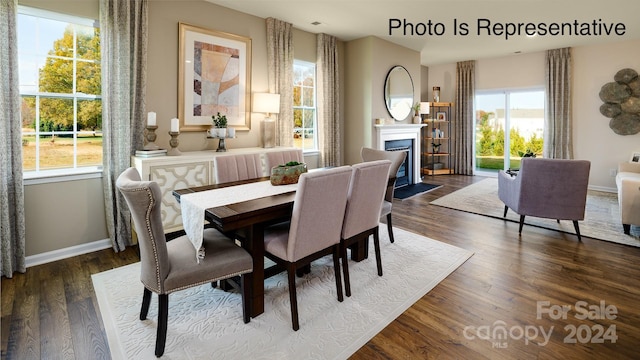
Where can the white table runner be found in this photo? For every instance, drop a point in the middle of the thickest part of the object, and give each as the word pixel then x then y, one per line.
pixel 194 205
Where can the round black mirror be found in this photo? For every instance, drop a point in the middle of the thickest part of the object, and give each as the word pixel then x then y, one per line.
pixel 398 93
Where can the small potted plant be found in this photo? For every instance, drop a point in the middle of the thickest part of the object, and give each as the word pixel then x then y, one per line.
pixel 220 123
pixel 416 112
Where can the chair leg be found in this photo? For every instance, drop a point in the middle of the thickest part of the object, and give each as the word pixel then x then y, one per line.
pixel 575 225
pixel 336 269
pixel 390 228
pixel 506 208
pixel 521 223
pixel 163 314
pixel 376 246
pixel 146 300
pixel 245 281
pixel 293 299
pixel 345 268
pixel 626 228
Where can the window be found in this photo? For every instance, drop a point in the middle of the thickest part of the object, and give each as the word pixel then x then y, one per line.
pixel 304 106
pixel 60 86
pixel 509 125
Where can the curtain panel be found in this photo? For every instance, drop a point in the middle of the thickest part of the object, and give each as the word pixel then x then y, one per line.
pixel 124 57
pixel 280 72
pixel 12 224
pixel 328 87
pixel 558 140
pixel 464 121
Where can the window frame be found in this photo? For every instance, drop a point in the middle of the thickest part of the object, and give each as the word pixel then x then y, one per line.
pixel 74 171
pixel 314 108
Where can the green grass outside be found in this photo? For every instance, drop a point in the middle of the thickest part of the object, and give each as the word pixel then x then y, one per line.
pixel 496 162
pixel 58 153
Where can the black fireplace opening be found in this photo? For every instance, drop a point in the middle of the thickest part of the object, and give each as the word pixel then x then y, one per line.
pixel 405 172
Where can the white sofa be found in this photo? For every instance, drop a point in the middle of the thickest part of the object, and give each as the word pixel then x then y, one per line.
pixel 628 183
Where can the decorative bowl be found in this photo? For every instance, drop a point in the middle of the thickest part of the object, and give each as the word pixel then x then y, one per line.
pixel 287 174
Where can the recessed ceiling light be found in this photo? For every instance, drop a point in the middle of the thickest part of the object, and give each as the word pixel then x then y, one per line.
pixel 316 23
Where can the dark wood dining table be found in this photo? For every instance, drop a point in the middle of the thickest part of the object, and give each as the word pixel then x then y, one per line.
pixel 250 218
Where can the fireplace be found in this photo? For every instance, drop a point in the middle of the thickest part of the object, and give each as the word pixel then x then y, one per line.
pixel 401 137
pixel 405 172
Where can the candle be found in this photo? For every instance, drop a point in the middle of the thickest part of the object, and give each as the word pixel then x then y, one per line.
pixel 151 119
pixel 175 125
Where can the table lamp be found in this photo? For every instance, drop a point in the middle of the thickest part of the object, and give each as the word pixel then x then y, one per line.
pixel 424 108
pixel 270 104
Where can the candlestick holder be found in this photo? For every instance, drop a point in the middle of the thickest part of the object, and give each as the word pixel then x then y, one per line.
pixel 151 137
pixel 174 144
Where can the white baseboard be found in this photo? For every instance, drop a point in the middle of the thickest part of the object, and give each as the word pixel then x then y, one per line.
pixel 60 254
pixel 603 188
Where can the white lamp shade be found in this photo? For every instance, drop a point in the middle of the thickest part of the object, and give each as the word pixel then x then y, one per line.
pixel 424 107
pixel 266 103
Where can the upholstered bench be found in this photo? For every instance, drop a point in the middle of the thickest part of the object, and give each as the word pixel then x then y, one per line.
pixel 628 183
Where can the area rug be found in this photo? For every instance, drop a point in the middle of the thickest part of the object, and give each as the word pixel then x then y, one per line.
pixel 602 214
pixel 206 323
pixel 409 191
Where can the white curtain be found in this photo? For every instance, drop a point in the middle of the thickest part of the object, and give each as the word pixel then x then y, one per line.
pixel 12 226
pixel 280 69
pixel 328 97
pixel 558 141
pixel 123 29
pixel 464 121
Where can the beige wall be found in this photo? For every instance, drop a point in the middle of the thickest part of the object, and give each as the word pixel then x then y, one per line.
pixel 367 62
pixel 593 66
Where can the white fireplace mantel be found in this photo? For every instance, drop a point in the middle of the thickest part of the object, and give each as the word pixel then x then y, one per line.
pixel 389 132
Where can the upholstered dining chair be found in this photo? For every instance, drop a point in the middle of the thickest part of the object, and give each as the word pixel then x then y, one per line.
pixel 396 158
pixel 547 188
pixel 362 215
pixel 314 229
pixel 279 157
pixel 171 266
pixel 228 168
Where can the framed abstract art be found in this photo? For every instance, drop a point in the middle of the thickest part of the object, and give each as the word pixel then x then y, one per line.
pixel 214 72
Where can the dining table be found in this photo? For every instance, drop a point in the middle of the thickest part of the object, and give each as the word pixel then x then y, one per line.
pixel 247 220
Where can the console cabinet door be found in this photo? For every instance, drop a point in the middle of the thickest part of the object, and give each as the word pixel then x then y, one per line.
pixel 176 177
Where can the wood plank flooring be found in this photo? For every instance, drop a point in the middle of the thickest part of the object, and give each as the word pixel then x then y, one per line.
pixel 51 311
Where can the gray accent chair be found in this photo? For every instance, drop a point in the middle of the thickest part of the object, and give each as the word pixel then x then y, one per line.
pixel 546 188
pixel 362 216
pixel 314 229
pixel 238 167
pixel 396 158
pixel 171 266
pixel 279 157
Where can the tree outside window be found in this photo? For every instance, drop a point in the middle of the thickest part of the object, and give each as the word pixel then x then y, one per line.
pixel 304 105
pixel 60 84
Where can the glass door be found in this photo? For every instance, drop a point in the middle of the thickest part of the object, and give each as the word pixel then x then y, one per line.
pixel 509 126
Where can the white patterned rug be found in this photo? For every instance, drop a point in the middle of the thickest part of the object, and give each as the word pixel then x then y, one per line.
pixel 206 323
pixel 602 214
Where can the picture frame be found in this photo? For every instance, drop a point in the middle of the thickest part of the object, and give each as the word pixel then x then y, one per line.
pixel 441 116
pixel 635 157
pixel 214 75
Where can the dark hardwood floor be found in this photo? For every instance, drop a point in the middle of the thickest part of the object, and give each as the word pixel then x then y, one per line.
pixel 51 311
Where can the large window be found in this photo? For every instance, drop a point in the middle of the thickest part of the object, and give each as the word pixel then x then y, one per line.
pixel 60 85
pixel 304 106
pixel 509 125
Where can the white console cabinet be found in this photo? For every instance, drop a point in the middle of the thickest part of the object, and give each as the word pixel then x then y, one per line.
pixel 187 170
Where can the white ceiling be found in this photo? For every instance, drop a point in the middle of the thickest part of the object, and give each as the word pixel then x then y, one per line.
pixel 353 19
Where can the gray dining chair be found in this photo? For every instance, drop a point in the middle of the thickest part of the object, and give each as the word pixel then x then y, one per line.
pixel 314 229
pixel 362 215
pixel 279 157
pixel 396 158
pixel 166 267
pixel 228 168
